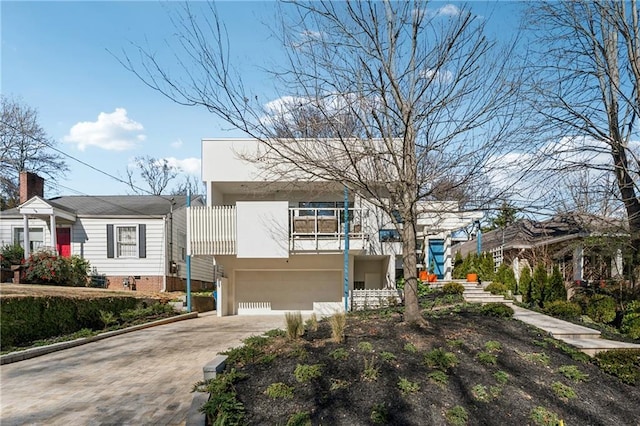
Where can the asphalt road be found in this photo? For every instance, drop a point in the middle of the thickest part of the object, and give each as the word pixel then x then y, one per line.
pixel 139 378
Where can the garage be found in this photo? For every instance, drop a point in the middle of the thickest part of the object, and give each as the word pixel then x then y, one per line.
pixel 288 290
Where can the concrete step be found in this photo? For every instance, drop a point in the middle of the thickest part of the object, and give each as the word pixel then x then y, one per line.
pixel 593 345
pixel 554 326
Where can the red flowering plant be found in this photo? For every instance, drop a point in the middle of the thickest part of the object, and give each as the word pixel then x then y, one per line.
pixel 46 267
pixel 11 254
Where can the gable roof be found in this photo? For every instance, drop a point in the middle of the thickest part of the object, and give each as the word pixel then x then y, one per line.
pixel 526 233
pixel 116 205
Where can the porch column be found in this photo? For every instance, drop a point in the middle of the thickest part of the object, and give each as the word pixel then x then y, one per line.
pixel 25 236
pixel 52 225
pixel 616 264
pixel 578 263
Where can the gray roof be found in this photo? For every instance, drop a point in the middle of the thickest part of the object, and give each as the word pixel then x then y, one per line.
pixel 117 205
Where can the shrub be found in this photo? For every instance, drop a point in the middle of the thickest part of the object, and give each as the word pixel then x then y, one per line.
pixel 556 288
pixel 535 357
pixel 563 391
pixel 279 390
pixel 307 372
pixel 493 346
pixel 622 363
pixel 525 284
pixel 365 347
pixel 338 322
pixel 370 371
pixel 46 267
pixel 487 358
pixel 453 288
pixel 543 417
pixel 601 308
pixel 538 289
pixel 11 254
pixel 506 276
pixel 479 393
pixel 223 406
pixel 312 322
pixel 457 416
pixel 387 356
pixel 501 377
pixel 299 419
pixel 379 414
pixel 499 310
pixel 497 288
pixel 294 325
pixel 27 319
pixel 407 386
pixel 410 347
pixel 439 377
pixel 572 372
pixel 631 320
pixel 441 359
pixel 339 354
pixel 563 309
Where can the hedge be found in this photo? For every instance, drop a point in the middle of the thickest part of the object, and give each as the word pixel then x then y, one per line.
pixel 26 319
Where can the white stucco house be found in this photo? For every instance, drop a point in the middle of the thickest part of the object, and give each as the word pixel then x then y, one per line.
pixel 279 244
pixel 134 241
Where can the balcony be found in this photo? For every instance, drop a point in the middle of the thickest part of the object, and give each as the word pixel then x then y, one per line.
pixel 214 230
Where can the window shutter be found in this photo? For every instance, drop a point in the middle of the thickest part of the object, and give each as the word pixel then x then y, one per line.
pixel 110 246
pixel 142 240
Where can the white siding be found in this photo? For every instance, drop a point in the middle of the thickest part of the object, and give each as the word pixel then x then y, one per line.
pixel 201 267
pixel 89 240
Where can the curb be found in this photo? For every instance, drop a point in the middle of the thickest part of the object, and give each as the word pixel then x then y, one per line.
pixel 43 350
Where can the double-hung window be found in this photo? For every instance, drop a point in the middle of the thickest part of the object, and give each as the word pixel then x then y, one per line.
pixel 126 241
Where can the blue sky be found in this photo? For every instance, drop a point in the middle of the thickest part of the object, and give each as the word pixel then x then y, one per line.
pixel 56 58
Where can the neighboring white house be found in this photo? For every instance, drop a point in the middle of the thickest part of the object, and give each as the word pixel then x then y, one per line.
pixel 279 243
pixel 135 241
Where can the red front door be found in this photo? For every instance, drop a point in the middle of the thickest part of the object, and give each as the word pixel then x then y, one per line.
pixel 63 241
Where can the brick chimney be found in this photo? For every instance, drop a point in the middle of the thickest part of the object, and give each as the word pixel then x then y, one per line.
pixel 30 185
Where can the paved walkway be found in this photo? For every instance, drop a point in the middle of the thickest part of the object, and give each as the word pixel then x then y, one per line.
pixel 140 378
pixel 584 338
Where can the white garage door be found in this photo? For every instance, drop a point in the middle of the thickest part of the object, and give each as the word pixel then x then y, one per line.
pixel 289 290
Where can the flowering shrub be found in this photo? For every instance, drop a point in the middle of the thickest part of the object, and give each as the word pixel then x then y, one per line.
pixel 46 267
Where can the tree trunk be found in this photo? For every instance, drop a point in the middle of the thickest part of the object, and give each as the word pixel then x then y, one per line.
pixel 411 306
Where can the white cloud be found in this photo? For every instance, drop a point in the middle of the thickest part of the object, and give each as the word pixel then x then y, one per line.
pixel 189 165
pixel 448 10
pixel 442 77
pixel 111 131
pixel 177 144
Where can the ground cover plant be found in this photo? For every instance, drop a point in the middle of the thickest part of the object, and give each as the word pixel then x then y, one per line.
pixel 429 375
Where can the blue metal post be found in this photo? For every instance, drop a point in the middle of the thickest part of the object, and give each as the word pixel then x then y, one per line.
pixel 346 249
pixel 188 252
pixel 479 239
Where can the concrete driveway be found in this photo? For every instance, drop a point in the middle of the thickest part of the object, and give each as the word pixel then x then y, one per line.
pixel 140 378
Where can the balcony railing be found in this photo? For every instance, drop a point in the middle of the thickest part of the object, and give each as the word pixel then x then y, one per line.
pixel 324 228
pixel 213 230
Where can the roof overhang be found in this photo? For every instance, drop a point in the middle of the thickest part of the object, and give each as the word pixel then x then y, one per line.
pixel 38 207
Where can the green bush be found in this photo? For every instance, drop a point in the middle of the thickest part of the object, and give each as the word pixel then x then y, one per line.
pixel 453 288
pixel 631 320
pixel 556 289
pixel 601 308
pixel 622 363
pixel 506 276
pixel 538 288
pixel 563 309
pixel 11 254
pixel 306 372
pixel 499 310
pixel 525 284
pixel 497 288
pixel 26 319
pixel 441 359
pixel 223 406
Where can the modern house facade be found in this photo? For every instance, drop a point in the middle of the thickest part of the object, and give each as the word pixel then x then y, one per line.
pixel 135 242
pixel 278 244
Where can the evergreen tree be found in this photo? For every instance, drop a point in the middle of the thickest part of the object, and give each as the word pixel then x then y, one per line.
pixel 525 284
pixel 539 285
pixel 556 288
pixel 506 276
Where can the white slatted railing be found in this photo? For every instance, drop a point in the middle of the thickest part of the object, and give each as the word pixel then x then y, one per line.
pixel 213 230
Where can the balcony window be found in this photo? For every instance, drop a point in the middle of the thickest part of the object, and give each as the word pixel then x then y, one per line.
pixel 389 236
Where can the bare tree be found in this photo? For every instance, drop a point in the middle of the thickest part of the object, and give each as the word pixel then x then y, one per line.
pixel 423 96
pixel 156 173
pixel 585 84
pixel 189 185
pixel 25 146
